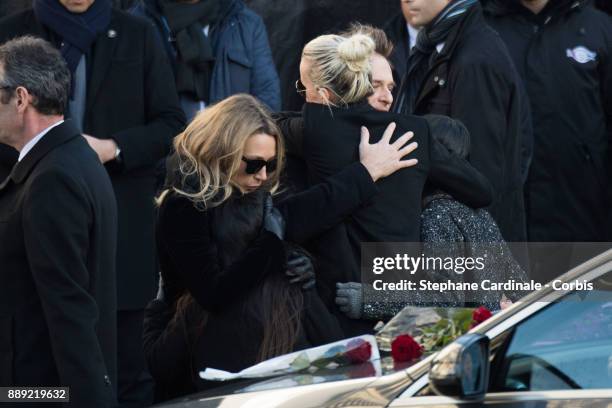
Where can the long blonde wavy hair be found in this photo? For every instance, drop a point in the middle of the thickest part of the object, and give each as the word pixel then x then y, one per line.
pixel 212 145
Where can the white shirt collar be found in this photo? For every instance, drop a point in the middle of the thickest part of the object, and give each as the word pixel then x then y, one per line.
pixel 28 146
pixel 412 34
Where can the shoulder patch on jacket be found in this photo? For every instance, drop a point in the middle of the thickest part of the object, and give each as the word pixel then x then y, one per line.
pixel 581 54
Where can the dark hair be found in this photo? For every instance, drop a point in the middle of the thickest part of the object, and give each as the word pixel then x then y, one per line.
pixel 382 44
pixel 450 133
pixel 275 303
pixel 36 65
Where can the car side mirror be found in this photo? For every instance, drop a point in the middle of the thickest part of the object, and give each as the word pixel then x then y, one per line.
pixel 461 370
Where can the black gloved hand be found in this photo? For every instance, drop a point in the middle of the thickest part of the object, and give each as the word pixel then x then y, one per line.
pixel 300 269
pixel 273 220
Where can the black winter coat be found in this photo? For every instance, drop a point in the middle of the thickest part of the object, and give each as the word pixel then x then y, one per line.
pixel 564 56
pixel 330 142
pixel 58 231
pixel 225 260
pixel 473 80
pixel 131 98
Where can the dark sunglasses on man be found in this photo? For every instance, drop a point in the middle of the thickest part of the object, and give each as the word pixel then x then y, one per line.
pixel 254 165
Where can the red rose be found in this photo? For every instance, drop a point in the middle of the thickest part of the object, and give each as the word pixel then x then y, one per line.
pixel 358 351
pixel 404 348
pixel 480 315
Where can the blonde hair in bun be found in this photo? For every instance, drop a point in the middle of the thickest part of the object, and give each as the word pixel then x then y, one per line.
pixel 356 51
pixel 342 65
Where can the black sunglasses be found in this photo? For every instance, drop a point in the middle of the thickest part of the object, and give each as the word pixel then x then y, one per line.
pixel 299 87
pixel 254 165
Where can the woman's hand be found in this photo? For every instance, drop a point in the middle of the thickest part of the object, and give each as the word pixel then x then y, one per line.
pixel 384 158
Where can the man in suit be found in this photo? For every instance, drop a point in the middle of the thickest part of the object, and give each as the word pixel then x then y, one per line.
pixel 123 100
pixel 58 228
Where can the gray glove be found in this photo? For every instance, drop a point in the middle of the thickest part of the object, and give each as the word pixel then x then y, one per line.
pixel 300 269
pixel 349 298
pixel 273 220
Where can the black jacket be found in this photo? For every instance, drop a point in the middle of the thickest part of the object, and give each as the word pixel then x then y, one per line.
pixel 571 97
pixel 324 142
pixel 330 142
pixel 243 59
pixel 473 80
pixel 223 257
pixel 131 98
pixel 58 228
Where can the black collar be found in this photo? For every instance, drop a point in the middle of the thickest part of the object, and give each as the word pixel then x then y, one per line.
pixel 57 136
pixel 472 18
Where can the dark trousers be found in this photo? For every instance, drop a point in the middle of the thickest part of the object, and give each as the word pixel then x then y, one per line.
pixel 135 384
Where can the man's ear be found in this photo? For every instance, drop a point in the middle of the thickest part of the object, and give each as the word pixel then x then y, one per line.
pixel 23 98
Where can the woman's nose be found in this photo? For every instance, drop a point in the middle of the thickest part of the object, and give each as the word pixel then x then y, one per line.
pixel 262 174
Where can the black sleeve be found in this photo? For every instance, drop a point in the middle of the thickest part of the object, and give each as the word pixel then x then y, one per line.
pixel 291 125
pixel 186 238
pixel 458 178
pixel 57 215
pixel 165 347
pixel 145 145
pixel 8 158
pixel 324 205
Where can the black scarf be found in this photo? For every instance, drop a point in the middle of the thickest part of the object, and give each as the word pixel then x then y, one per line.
pixel 78 31
pixel 195 58
pixel 419 60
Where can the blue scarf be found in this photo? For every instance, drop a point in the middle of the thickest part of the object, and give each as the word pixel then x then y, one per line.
pixel 427 40
pixel 78 31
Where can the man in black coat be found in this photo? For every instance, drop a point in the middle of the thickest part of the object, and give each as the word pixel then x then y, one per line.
pixel 563 52
pixel 58 228
pixel 124 101
pixel 460 68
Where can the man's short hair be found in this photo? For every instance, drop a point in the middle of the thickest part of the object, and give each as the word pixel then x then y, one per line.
pixel 36 65
pixel 382 44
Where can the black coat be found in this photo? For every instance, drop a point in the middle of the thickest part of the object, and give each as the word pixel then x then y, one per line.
pixel 330 142
pixel 58 228
pixel 321 143
pixel 473 80
pixel 227 281
pixel 131 98
pixel 571 99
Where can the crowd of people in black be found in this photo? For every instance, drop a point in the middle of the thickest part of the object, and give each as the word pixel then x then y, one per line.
pixel 160 214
